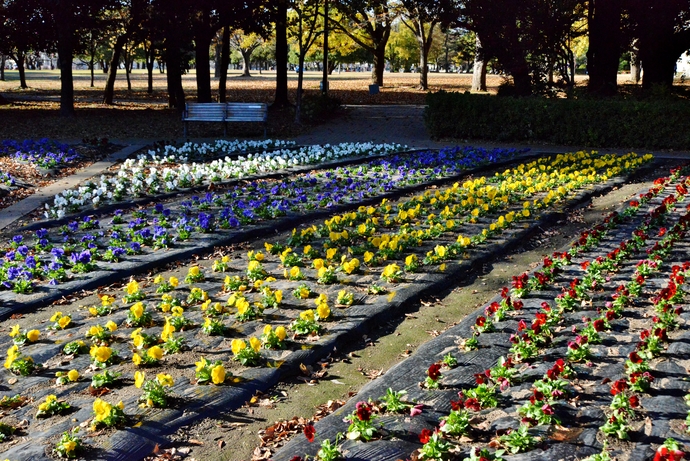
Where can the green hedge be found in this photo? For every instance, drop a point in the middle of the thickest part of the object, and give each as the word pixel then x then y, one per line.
pixel 651 124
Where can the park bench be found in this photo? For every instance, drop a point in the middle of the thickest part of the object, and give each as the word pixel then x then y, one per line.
pixel 225 112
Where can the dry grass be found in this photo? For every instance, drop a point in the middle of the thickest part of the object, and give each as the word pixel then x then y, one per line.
pixel 137 114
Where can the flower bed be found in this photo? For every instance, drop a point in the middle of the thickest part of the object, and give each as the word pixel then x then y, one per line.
pixel 136 178
pixel 565 364
pixel 192 151
pixel 269 308
pixel 43 153
pixel 48 255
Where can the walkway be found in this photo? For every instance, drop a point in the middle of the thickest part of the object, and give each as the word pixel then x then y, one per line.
pixel 13 213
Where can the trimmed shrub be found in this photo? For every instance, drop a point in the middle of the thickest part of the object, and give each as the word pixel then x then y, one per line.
pixel 651 124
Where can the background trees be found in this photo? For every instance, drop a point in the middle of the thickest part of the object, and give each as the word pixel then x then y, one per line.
pixel 539 44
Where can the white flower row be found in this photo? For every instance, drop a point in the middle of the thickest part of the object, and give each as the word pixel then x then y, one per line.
pixel 192 150
pixel 136 177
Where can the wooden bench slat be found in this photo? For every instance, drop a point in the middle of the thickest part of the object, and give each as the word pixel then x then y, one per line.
pixel 225 112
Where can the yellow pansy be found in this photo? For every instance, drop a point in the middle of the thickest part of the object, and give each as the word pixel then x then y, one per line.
pixel 136 358
pixel 295 272
pixel 307 315
pixel 281 333
pixel 218 374
pixel 318 263
pixel 93 311
pixel 242 306
pixel 132 287
pixel 330 253
pixel 102 353
pixel 112 326
pixel 201 364
pixel 165 307
pixel 139 377
pixel 101 409
pixel 12 354
pixel 158 279
pixel 165 379
pixel 14 331
pixel 138 341
pixel 155 352
pixel 64 321
pixel 323 297
pixel 255 344
pixel 32 335
pixel 323 310
pixel 237 345
pixel 279 296
pixel 368 256
pixel 173 281
pixel 55 316
pixel 73 375
pixel 168 330
pixel 137 310
pixel 107 300
pixel 194 271
pixel 177 311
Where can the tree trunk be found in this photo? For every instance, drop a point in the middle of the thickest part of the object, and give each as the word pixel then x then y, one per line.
pixel 150 61
pixel 635 65
pixel 65 52
pixel 203 70
pixel 224 62
pixel 281 96
pixel 173 60
pixel 300 79
pixel 479 71
pixel 19 57
pixel 92 65
pixel 217 58
pixel 109 93
pixel 246 62
pixel 2 67
pixel 128 71
pixel 604 46
pixel 423 69
pixel 659 68
pixel 379 65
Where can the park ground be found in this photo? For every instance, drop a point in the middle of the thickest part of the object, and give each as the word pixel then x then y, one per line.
pixel 143 117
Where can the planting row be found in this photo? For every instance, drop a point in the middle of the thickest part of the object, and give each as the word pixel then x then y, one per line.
pixel 172 334
pixel 136 178
pixel 75 247
pixel 580 355
pixel 43 153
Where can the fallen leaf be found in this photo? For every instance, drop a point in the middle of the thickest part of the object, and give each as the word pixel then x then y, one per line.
pixel 195 442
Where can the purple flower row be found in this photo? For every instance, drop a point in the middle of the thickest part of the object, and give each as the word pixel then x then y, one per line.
pixel 79 244
pixel 43 153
